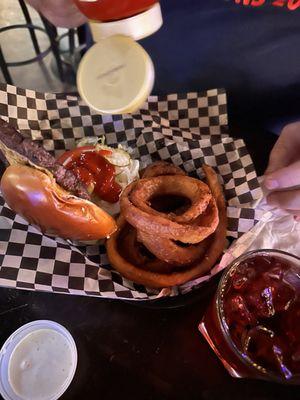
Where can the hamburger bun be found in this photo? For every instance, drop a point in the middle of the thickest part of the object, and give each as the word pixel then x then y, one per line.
pixel 37 197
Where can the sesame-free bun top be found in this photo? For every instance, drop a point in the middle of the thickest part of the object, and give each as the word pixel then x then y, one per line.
pixel 35 196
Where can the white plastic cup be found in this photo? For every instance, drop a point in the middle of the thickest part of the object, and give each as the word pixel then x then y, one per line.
pixel 9 346
pixel 116 75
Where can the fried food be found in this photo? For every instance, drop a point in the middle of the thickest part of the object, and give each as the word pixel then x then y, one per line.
pixel 160 168
pixel 195 191
pixel 170 251
pixel 148 248
pixel 144 218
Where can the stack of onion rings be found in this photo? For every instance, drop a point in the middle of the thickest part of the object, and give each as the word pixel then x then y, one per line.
pixel 160 247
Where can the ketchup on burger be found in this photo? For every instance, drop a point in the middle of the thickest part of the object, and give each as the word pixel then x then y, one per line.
pixel 91 167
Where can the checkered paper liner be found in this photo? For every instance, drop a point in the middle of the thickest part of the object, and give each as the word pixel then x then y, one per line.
pixel 185 129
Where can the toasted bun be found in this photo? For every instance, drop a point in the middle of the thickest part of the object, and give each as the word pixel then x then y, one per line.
pixel 36 197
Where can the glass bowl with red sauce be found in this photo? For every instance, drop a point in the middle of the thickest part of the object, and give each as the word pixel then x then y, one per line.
pixel 253 323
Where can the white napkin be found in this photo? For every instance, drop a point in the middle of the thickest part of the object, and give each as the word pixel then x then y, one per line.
pixel 276 229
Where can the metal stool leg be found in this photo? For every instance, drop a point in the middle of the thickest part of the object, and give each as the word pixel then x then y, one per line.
pixel 52 34
pixel 31 31
pixel 4 69
pixel 81 33
pixel 71 35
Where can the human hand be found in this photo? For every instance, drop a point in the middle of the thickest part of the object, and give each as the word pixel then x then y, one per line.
pixel 61 13
pixel 282 176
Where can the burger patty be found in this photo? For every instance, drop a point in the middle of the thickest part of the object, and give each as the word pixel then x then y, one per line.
pixel 40 157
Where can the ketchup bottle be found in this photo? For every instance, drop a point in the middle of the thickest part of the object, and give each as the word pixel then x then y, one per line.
pixel 112 10
pixel 116 75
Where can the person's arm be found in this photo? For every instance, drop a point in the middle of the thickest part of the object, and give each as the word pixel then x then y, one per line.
pixel 283 173
pixel 61 13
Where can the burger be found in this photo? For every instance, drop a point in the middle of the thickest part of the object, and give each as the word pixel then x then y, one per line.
pixel 73 197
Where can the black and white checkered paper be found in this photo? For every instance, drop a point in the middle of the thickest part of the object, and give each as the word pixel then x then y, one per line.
pixel 185 129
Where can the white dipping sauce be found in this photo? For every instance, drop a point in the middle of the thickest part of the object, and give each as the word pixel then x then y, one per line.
pixel 40 365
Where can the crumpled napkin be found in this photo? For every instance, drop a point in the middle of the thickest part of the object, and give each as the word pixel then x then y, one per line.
pixel 276 229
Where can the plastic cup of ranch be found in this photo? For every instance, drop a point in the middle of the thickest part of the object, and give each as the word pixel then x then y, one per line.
pixel 116 75
pixel 37 362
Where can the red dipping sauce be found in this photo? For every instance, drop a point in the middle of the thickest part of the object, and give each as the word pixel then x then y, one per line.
pixel 253 324
pixel 111 10
pixel 94 170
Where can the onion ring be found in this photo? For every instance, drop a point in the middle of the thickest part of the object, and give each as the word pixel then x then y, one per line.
pixel 132 250
pixel 174 253
pixel 159 224
pixel 159 168
pixel 199 268
pixel 175 185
